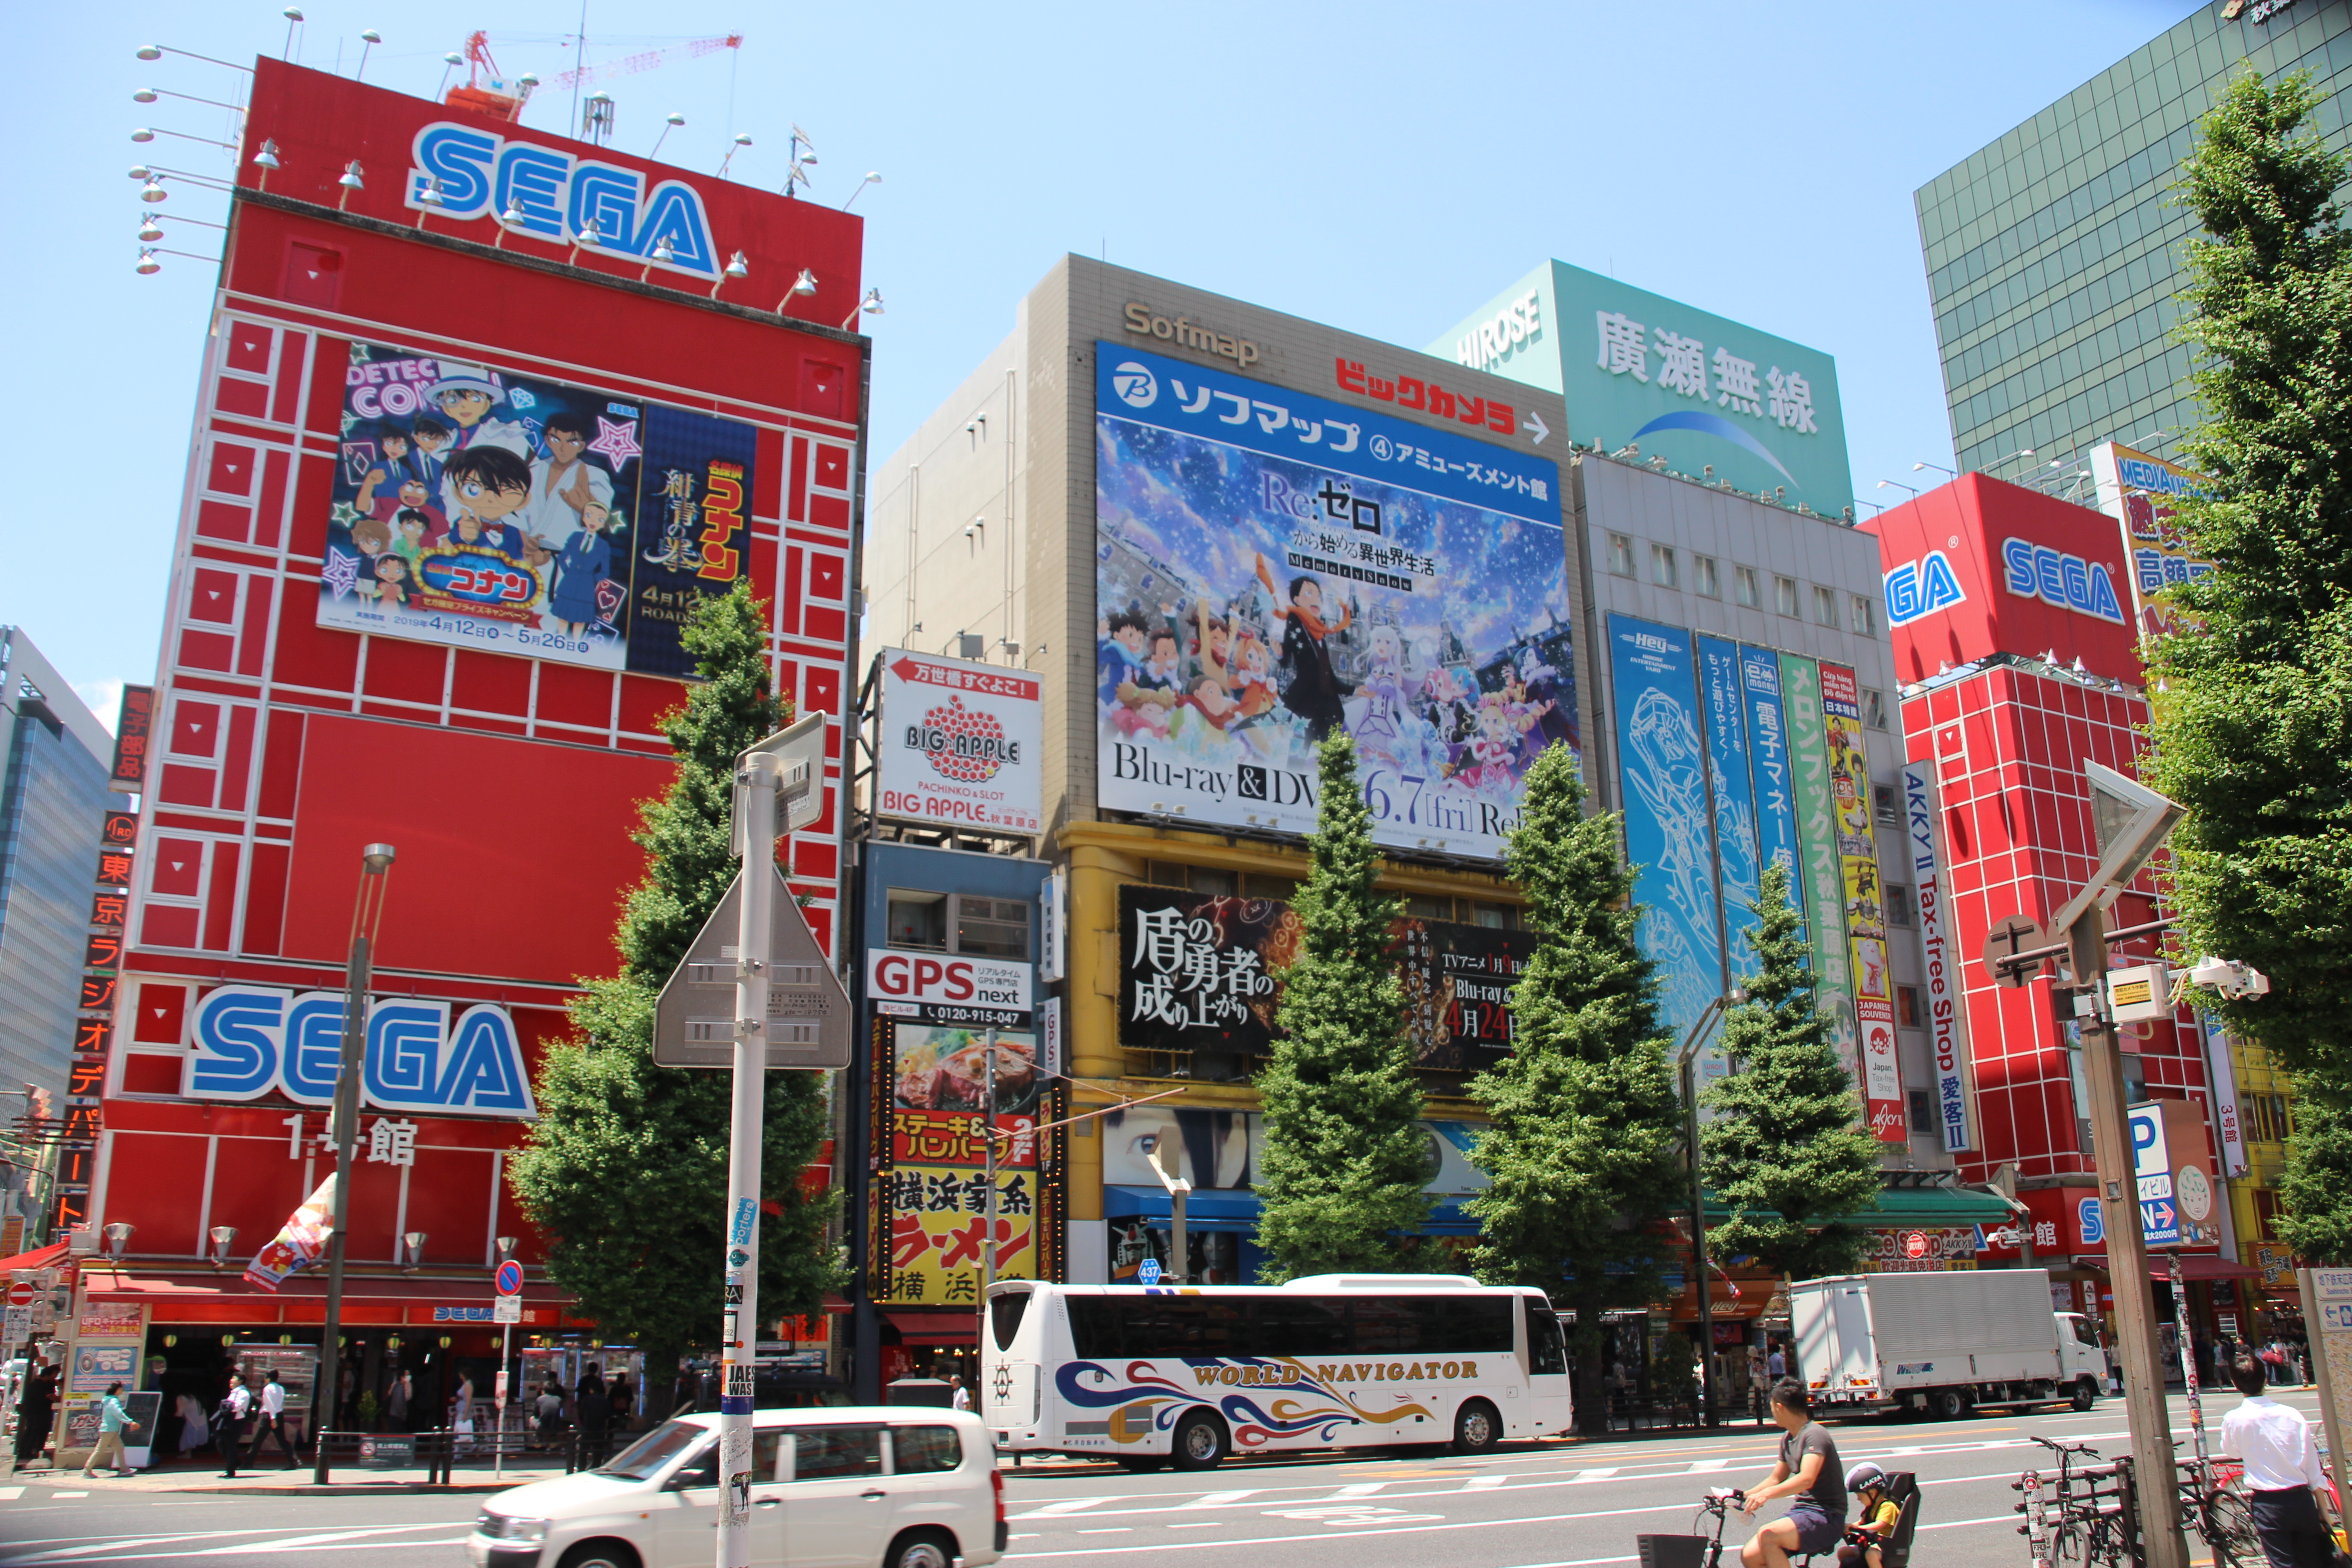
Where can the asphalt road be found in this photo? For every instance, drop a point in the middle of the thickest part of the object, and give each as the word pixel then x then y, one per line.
pixel 1542 1506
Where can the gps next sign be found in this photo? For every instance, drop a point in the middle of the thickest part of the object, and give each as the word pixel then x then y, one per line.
pixel 1699 390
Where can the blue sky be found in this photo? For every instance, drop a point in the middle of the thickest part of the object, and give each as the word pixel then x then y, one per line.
pixel 1382 167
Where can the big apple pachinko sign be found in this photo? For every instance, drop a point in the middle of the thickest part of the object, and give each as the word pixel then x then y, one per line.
pixel 476 508
pixel 1272 568
pixel 961 743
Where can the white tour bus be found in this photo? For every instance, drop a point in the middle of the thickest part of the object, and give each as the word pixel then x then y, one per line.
pixel 1145 1374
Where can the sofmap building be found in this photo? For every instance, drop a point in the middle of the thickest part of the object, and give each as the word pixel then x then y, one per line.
pixel 1200 535
pixel 2053 253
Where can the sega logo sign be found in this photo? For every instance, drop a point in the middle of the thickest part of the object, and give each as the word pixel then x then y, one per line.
pixel 939 980
pixel 558 196
pixel 252 1040
pixel 1921 588
pixel 2061 580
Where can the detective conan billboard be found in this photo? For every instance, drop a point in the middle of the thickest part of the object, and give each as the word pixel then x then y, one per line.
pixel 476 508
pixel 1272 568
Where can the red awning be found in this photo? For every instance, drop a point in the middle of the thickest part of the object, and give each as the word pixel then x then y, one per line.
pixel 935 1328
pixel 2194 1266
pixel 368 1299
pixel 47 1256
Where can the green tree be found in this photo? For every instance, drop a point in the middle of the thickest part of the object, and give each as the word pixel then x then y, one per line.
pixel 1583 1147
pixel 1783 1147
pixel 626 1170
pixel 1342 1179
pixel 2252 698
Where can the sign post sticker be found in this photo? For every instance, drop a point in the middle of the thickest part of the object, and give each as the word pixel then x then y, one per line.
pixel 506 1310
pixel 961 743
pixel 474 508
pixel 1273 567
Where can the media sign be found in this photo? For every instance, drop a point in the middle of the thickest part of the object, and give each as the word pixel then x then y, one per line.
pixel 1273 567
pixel 253 1040
pixel 1699 390
pixel 960 743
pixel 474 508
pixel 2141 493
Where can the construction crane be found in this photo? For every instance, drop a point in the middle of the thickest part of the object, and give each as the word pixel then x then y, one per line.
pixel 486 89
pixel 647 59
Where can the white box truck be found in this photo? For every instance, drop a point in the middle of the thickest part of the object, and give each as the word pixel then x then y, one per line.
pixel 1941 1343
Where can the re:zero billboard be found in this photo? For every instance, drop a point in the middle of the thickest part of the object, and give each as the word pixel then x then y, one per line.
pixel 474 508
pixel 1272 568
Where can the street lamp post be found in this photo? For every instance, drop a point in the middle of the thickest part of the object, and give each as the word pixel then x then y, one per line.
pixel 1686 1068
pixel 367 920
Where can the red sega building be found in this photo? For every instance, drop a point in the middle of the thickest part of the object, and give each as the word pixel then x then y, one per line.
pixel 2011 616
pixel 483 412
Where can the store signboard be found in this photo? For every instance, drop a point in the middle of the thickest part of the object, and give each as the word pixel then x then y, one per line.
pixel 1801 699
pixel 2141 493
pixel 1273 567
pixel 1877 1068
pixel 1739 857
pixel 1669 835
pixel 475 507
pixel 960 743
pixel 1774 786
pixel 1947 1020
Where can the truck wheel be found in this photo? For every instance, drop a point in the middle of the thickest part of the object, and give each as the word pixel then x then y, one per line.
pixel 1476 1429
pixel 1944 1405
pixel 1201 1442
pixel 2087 1393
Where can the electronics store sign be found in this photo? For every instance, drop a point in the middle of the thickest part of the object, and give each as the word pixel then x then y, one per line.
pixel 252 1040
pixel 558 197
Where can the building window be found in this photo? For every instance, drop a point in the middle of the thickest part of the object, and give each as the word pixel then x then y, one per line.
pixel 1215 883
pixel 1661 567
pixel 918 919
pixel 1901 906
pixel 1621 556
pixel 1784 596
pixel 1746 589
pixel 1704 581
pixel 1494 917
pixel 1874 708
pixel 2265 1117
pixel 1922 1113
pixel 959 922
pixel 1268 884
pixel 1885 807
pixel 1824 608
pixel 1909 1011
pixel 1863 617
pixel 1167 874
pixel 1421 909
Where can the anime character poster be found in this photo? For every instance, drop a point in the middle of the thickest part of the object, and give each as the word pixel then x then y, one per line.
pixel 1669 838
pixel 1865 902
pixel 1775 793
pixel 1272 568
pixel 476 508
pixel 1800 701
pixel 1736 850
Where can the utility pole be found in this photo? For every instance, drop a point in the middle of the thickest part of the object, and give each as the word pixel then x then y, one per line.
pixel 367 920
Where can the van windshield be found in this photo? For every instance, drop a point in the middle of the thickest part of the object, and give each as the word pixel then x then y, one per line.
pixel 644 1459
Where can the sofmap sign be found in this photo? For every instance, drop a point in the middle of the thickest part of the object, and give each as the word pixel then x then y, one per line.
pixel 253 1040
pixel 558 196
pixel 1700 391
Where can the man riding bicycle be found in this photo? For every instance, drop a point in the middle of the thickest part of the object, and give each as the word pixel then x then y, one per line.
pixel 1808 1468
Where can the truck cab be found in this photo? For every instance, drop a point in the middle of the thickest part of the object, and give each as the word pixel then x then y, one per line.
pixel 2079 1346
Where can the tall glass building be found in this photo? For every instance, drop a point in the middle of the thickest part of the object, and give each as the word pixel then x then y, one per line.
pixel 2055 254
pixel 53 801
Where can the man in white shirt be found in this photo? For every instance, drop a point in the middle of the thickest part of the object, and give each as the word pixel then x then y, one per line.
pixel 272 1423
pixel 230 1419
pixel 2281 1470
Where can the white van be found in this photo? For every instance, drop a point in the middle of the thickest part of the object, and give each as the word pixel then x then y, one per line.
pixel 901 1487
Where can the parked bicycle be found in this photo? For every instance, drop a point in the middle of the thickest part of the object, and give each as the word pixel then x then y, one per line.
pixel 2085 1515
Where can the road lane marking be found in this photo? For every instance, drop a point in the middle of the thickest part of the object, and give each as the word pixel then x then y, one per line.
pixel 1218 1500
pixel 1706 1467
pixel 1068 1505
pixel 10 1494
pixel 1201 1524
pixel 1591 1475
pixel 1361 1488
pixel 1112 1530
pixel 1479 1483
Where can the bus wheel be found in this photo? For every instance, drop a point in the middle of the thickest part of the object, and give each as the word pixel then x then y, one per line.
pixel 1477 1427
pixel 1201 1442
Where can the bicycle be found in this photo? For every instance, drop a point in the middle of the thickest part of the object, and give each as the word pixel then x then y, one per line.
pixel 2214 1504
pixel 2095 1526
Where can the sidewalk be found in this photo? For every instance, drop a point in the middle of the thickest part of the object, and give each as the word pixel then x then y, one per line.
pixel 345 1480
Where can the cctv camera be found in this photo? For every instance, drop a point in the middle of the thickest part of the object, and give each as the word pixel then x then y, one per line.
pixel 2232 979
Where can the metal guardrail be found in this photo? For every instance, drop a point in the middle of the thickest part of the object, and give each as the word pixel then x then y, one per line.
pixel 441 1452
pixel 436 1451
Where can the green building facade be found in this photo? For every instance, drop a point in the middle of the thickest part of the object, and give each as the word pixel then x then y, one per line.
pixel 2053 254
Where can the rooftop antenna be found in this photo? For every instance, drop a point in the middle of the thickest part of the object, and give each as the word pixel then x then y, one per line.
pixel 797 173
pixel 596 119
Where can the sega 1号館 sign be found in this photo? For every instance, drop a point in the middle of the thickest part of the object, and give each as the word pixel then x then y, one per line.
pixel 250 1040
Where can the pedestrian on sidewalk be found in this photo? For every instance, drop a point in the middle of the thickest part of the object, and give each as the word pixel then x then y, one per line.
pixel 113 1419
pixel 229 1424
pixel 395 1403
pixel 36 1409
pixel 461 1415
pixel 2283 1475
pixel 595 1412
pixel 272 1424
